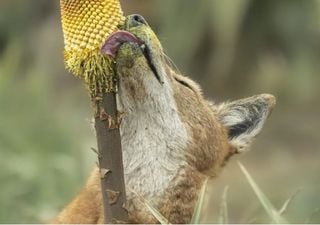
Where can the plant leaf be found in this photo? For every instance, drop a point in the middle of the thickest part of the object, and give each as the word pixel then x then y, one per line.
pixel 155 212
pixel 223 215
pixel 286 204
pixel 197 211
pixel 265 202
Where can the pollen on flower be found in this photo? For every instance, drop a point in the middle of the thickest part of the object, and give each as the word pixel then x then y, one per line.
pixel 86 25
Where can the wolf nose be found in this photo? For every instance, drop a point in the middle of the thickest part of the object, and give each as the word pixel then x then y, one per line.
pixel 135 20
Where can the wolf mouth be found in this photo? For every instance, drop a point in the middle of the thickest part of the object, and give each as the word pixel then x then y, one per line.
pixel 116 39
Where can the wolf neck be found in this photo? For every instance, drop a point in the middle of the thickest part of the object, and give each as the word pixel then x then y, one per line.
pixel 154 140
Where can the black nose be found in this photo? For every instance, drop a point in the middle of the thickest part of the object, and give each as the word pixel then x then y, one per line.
pixel 135 20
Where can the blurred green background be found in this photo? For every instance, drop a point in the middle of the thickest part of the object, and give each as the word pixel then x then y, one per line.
pixel 233 48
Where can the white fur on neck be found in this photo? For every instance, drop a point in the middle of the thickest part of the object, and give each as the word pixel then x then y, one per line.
pixel 153 139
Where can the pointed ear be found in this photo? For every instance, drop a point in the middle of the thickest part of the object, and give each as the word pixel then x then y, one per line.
pixel 245 118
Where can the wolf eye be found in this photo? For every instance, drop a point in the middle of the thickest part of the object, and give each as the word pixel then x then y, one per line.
pixel 184 83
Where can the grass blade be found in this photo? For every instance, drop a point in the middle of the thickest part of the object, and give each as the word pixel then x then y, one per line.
pixel 314 212
pixel 197 211
pixel 265 202
pixel 152 209
pixel 286 204
pixel 223 215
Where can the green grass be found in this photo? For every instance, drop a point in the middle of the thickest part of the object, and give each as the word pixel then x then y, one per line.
pixel 155 212
pixel 258 46
pixel 274 214
pixel 43 161
pixel 196 217
pixel 223 215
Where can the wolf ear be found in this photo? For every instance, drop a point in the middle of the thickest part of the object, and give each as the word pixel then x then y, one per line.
pixel 245 118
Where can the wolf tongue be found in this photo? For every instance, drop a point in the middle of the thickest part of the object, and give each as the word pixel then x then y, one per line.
pixel 114 41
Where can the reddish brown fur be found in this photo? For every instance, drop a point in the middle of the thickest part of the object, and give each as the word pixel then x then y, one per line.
pixel 207 153
pixel 207 150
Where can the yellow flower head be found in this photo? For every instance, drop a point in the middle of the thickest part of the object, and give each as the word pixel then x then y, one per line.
pixel 86 25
